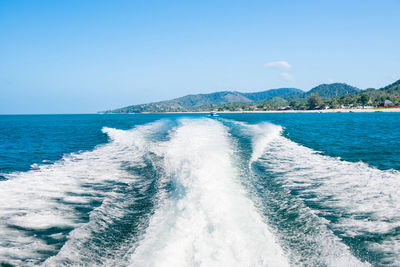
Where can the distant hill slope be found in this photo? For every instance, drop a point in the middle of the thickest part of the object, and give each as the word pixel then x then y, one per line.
pixel 390 92
pixel 285 93
pixel 195 102
pixel 393 88
pixel 201 102
pixel 333 90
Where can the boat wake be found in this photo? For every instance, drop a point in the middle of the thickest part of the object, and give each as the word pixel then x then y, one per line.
pixel 200 192
pixel 207 219
pixel 340 209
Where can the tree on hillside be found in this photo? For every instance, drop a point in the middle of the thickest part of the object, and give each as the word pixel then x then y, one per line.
pixel 314 101
pixel 364 99
pixel 334 103
pixel 294 104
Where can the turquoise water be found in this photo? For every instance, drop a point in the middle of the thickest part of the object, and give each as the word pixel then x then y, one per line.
pixel 190 190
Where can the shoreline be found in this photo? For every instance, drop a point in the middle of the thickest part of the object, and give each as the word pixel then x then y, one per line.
pixel 348 110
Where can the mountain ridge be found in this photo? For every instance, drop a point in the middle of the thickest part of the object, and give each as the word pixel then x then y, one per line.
pixel 194 102
pixel 330 94
pixel 333 90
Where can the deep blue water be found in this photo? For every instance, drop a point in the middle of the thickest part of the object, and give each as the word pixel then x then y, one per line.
pixel 370 137
pixel 103 189
pixel 373 138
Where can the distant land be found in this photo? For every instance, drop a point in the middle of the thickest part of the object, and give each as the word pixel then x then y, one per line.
pixel 324 96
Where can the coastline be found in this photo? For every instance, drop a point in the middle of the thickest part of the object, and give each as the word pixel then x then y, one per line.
pixel 348 110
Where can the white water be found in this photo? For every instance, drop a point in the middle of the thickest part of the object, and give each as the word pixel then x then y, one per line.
pixel 47 197
pixel 208 220
pixel 366 199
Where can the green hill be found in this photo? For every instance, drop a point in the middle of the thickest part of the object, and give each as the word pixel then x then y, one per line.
pixel 205 101
pixel 333 90
pixel 329 95
pixel 393 88
pixel 378 96
pixel 285 93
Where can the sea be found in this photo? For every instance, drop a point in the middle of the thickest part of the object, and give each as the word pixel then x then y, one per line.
pixel 287 189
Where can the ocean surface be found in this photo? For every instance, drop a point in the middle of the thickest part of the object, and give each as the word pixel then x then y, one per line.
pixel 193 190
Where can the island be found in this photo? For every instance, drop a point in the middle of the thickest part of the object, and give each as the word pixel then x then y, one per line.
pixel 334 97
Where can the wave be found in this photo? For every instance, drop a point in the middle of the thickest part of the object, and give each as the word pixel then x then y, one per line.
pixel 207 220
pixel 359 205
pixel 200 192
pixel 48 208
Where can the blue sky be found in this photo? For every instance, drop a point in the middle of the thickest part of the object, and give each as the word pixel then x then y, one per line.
pixel 86 56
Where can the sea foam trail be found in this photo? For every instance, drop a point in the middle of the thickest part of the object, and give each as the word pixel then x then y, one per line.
pixel 361 204
pixel 40 207
pixel 305 236
pixel 207 220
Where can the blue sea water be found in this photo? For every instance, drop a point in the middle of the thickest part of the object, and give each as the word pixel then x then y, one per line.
pixel 189 189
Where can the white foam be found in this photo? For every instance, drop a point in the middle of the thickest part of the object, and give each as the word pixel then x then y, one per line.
pixel 45 197
pixel 207 220
pixel 367 197
pixel 261 134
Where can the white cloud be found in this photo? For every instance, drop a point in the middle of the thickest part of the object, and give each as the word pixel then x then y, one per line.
pixel 286 77
pixel 278 64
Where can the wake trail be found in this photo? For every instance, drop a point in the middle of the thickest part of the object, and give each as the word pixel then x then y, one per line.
pixel 52 210
pixel 200 192
pixel 207 219
pixel 359 205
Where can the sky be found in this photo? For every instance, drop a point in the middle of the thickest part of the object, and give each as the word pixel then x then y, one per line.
pixel 86 56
